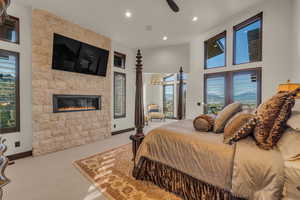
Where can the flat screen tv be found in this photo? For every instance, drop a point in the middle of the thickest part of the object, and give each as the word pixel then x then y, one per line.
pixel 75 56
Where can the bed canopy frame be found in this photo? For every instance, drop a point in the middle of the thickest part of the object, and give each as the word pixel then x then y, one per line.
pixel 139 104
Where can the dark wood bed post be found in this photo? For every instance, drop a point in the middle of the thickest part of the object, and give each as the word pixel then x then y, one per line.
pixel 180 96
pixel 139 106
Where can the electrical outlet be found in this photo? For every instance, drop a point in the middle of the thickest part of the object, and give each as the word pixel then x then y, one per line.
pixel 17 144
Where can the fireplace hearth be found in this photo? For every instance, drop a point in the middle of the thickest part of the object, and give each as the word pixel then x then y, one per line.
pixel 76 103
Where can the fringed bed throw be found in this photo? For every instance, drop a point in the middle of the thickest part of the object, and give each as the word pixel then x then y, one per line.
pixel 177 182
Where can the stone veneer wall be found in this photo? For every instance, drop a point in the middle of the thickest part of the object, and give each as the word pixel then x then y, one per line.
pixel 57 131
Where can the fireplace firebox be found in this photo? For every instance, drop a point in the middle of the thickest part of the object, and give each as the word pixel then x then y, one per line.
pixel 75 103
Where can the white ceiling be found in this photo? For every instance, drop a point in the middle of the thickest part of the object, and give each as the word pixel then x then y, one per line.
pixel 107 17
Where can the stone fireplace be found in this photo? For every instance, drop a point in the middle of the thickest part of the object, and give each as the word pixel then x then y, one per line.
pixel 75 103
pixel 58 96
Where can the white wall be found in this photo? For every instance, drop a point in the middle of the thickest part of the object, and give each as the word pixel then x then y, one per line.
pixel 128 121
pixel 24 48
pixel 296 41
pixel 166 59
pixel 276 64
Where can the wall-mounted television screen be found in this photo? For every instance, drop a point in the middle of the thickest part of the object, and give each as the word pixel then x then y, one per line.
pixel 74 56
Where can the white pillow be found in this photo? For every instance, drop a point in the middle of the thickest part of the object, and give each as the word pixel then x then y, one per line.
pixel 294 120
pixel 289 145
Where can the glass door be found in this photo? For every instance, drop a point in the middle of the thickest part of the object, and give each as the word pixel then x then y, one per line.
pixel 168 100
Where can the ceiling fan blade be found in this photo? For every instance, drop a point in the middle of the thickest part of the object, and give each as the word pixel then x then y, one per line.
pixel 173 5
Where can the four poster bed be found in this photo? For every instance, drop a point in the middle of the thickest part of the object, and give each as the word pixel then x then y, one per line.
pixel 198 165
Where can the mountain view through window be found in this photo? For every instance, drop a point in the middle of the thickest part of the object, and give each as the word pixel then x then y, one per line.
pixel 8 91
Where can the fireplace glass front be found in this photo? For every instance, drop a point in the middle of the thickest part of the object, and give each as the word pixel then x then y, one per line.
pixel 76 103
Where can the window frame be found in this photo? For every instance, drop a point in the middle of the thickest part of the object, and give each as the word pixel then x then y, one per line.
pixel 17 88
pixel 243 24
pixel 124 103
pixel 216 37
pixel 123 57
pixel 228 76
pixel 17 31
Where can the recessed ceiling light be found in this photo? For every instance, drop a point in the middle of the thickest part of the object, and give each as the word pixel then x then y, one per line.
pixel 128 14
pixel 195 19
pixel 165 38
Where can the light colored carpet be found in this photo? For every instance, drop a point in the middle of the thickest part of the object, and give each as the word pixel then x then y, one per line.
pixel 53 177
pixel 111 173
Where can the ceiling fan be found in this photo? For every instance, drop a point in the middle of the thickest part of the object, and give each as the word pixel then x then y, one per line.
pixel 173 5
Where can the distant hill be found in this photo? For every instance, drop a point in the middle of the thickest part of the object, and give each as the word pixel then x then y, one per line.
pixel 244 97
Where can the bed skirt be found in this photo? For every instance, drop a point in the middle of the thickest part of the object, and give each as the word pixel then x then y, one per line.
pixel 177 182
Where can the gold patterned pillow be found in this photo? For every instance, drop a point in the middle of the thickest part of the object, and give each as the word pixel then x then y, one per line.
pixel 235 124
pixel 279 124
pixel 244 131
pixel 267 114
pixel 204 123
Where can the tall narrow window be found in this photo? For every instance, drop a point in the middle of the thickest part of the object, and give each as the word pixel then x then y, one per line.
pixel 119 95
pixel 9 30
pixel 248 41
pixel 223 88
pixel 9 92
pixel 168 100
pixel 215 51
pixel 215 92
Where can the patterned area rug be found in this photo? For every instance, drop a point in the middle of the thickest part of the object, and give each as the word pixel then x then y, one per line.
pixel 111 172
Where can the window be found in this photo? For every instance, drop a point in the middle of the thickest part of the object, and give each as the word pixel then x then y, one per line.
pixel 169 78
pixel 184 76
pixel 215 92
pixel 9 31
pixel 248 41
pixel 215 51
pixel 168 100
pixel 224 88
pixel 245 88
pixel 119 60
pixel 119 95
pixel 9 92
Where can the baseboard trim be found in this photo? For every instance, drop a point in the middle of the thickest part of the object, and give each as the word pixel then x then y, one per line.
pixel 20 155
pixel 122 131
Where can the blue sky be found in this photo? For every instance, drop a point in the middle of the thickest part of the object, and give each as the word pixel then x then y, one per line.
pixel 242 52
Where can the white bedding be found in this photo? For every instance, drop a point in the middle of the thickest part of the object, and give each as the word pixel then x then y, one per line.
pixel 292 175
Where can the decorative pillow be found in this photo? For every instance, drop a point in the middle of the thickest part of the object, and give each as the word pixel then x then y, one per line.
pixel 272 118
pixel 294 121
pixel 235 124
pixel 267 114
pixel 289 145
pixel 204 123
pixel 201 125
pixel 224 115
pixel 280 124
pixel 244 131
